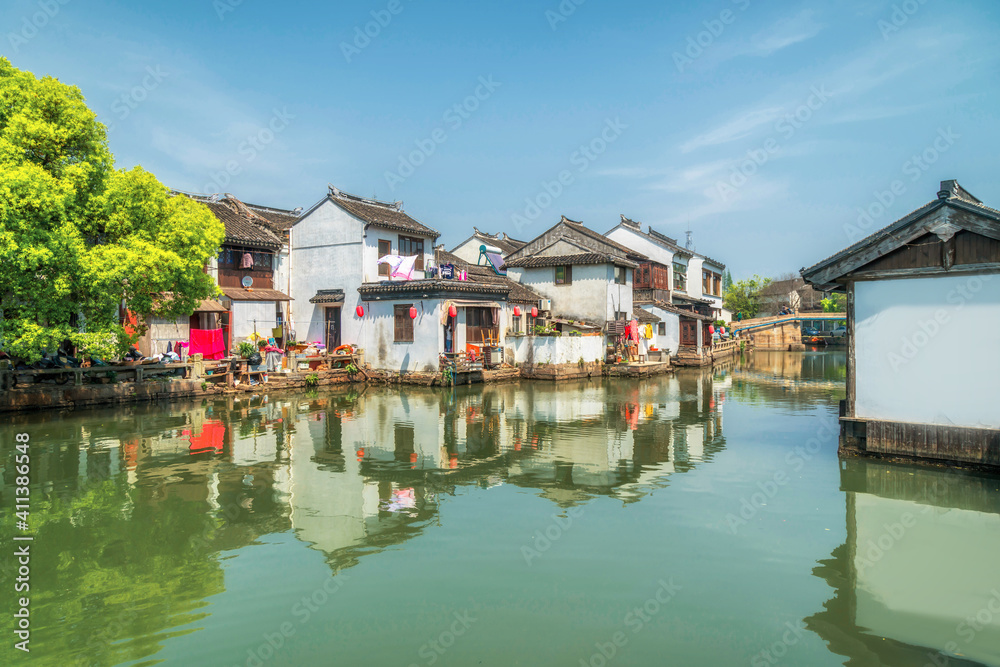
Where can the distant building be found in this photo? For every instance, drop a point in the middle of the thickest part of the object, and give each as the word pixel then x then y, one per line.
pixel 923 300
pixel 585 275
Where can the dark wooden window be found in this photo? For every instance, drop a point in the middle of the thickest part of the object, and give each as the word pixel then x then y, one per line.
pixel 403 326
pixel 621 278
pixel 706 282
pixel 661 329
pixel 412 246
pixel 479 325
pixel 232 258
pixel 564 275
pixel 384 248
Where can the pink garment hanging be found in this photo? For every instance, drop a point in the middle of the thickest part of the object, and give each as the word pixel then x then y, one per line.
pixel 247 262
pixel 209 342
pixel 405 268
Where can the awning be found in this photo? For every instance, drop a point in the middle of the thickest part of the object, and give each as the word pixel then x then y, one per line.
pixel 244 294
pixel 210 306
pixel 328 296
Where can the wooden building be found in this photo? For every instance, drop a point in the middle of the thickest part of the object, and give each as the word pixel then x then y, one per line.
pixel 923 312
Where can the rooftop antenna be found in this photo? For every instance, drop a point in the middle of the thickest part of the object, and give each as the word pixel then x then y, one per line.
pixel 689 244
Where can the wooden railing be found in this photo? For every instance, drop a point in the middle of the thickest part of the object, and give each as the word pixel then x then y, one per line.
pixel 139 373
pixel 460 362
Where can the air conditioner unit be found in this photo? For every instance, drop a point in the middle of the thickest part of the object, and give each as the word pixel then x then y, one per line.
pixel 544 304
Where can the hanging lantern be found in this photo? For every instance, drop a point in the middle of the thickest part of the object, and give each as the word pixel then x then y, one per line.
pixel 517 312
pixel 534 311
pixel 453 311
pixel 413 312
pixel 360 311
pixel 711 329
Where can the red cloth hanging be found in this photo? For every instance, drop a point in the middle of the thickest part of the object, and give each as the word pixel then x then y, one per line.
pixel 209 342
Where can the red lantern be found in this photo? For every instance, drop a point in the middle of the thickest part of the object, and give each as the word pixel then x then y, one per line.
pixel 453 311
pixel 534 311
pixel 360 311
pixel 711 329
pixel 517 312
pixel 413 313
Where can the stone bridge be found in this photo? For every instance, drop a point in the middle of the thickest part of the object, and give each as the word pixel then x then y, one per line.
pixel 781 332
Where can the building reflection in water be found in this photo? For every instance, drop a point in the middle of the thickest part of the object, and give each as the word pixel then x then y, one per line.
pixel 917 581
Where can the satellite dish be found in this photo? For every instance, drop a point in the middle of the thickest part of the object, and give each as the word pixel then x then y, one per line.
pixel 247 282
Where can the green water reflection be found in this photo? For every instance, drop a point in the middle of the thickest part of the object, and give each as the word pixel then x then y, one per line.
pixel 519 524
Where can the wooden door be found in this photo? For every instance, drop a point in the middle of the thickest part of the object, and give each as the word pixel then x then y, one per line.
pixel 689 333
pixel 332 328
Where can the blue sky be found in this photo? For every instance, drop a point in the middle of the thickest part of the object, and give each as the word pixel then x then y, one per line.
pixel 764 126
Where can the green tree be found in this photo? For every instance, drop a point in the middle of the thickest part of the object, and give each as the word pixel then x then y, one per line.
pixel 78 239
pixel 727 281
pixel 836 303
pixel 743 296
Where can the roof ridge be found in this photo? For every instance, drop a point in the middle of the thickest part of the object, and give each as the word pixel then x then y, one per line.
pixel 337 193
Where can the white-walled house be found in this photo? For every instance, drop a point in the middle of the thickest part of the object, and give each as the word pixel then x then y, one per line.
pixel 923 318
pixel 690 277
pixel 335 247
pixel 585 275
pixel 404 325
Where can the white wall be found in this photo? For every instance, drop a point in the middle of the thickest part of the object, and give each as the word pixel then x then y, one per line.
pixel 557 349
pixel 379 332
pixel 592 296
pixel 926 350
pixel 672 322
pixel 641 244
pixel 244 313
pixel 371 255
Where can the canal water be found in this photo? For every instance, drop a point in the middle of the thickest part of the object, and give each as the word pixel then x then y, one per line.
pixel 701 518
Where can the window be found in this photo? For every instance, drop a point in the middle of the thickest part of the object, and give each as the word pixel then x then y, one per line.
pixel 516 328
pixel 384 248
pixel 716 284
pixel 403 324
pixel 661 329
pixel 680 277
pixel 620 276
pixel 564 275
pixel 409 246
pixel 706 282
pixel 232 258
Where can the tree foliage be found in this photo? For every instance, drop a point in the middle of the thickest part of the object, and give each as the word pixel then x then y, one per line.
pixel 743 296
pixel 835 303
pixel 79 238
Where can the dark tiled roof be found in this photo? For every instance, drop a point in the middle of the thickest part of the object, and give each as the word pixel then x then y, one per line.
pixel 670 308
pixel 411 287
pixel 644 316
pixel 328 296
pixel 281 220
pixel 483 274
pixel 243 230
pixel 579 226
pixel 532 262
pixel 951 194
pixel 380 214
pixel 243 294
